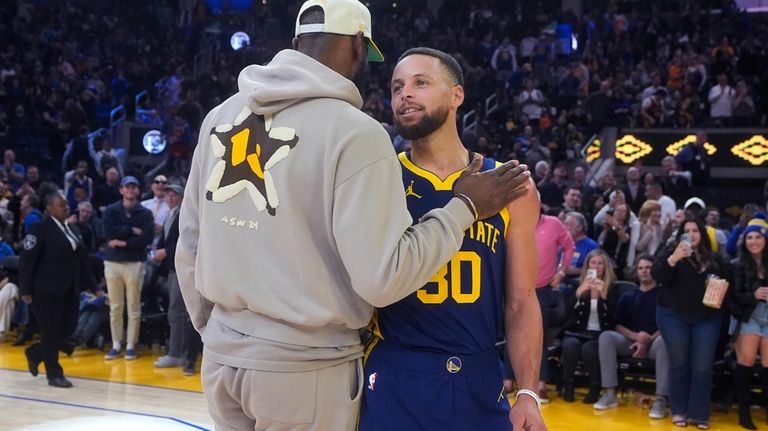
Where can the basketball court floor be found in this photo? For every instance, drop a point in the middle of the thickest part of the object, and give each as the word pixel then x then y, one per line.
pixel 120 395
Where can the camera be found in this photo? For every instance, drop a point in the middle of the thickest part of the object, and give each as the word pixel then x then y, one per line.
pixel 610 211
pixel 686 237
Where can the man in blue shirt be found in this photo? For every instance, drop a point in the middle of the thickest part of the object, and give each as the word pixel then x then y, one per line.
pixel 576 224
pixel 636 335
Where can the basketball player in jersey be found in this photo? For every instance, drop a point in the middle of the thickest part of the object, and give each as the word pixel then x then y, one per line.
pixel 432 363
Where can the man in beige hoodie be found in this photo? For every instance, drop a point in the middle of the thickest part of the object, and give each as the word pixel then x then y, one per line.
pixel 294 226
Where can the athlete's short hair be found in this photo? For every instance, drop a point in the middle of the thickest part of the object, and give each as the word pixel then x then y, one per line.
pixel 446 60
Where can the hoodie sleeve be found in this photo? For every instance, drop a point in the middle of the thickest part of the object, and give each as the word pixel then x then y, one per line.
pixel 189 231
pixel 386 258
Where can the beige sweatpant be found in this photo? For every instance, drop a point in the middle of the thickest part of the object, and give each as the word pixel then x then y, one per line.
pixel 322 400
pixel 124 289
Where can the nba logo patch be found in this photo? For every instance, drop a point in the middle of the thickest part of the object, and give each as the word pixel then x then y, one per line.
pixel 372 380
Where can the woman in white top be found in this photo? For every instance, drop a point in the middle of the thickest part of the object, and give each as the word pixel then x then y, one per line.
pixel 594 313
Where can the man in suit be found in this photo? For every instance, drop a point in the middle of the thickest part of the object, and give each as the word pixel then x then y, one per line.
pixel 52 269
pixel 184 341
pixel 634 190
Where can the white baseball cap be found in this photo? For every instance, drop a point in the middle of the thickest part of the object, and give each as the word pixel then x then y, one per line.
pixel 345 17
pixel 694 201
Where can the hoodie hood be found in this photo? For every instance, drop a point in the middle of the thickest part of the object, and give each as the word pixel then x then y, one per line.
pixel 290 78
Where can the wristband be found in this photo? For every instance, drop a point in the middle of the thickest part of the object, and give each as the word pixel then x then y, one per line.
pixel 471 205
pixel 531 394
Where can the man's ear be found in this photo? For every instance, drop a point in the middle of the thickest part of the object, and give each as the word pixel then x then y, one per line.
pixel 360 47
pixel 458 96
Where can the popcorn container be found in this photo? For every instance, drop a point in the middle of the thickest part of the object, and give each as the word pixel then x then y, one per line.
pixel 715 292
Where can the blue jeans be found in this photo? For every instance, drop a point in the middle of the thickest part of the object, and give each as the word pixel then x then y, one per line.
pixel 691 357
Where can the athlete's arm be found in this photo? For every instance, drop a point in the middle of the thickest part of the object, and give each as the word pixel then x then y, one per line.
pixel 522 315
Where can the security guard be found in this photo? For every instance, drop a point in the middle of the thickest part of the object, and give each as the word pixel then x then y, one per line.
pixel 52 269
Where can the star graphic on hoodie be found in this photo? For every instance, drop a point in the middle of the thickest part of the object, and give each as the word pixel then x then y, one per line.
pixel 248 149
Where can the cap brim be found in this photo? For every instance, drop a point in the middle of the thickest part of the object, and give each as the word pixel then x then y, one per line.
pixel 374 53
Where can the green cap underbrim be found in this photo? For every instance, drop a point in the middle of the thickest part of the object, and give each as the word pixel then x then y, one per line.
pixel 374 53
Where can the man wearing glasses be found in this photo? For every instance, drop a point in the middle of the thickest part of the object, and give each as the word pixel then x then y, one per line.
pixel 160 211
pixel 158 205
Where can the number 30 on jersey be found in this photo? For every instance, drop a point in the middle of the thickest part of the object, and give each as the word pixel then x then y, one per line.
pixel 451 286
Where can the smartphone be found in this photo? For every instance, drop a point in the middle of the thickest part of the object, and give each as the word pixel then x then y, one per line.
pixel 591 273
pixel 686 237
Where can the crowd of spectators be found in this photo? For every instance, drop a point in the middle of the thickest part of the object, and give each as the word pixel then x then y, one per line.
pixel 558 78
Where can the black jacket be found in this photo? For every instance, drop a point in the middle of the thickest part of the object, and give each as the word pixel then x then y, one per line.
pixel 745 283
pixel 636 202
pixel 119 223
pixel 168 242
pixel 606 311
pixel 49 265
pixel 683 287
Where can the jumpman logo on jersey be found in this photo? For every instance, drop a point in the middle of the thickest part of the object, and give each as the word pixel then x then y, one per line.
pixel 409 191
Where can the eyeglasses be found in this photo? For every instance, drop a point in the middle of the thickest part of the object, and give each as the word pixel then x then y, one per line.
pixel 161 182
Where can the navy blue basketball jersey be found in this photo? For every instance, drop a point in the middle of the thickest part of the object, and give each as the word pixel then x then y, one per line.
pixel 460 310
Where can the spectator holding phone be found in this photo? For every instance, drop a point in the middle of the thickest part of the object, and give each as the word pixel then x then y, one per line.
pixel 682 269
pixel 594 313
pixel 750 313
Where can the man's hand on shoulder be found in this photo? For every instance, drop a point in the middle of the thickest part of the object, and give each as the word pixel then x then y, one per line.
pixel 492 190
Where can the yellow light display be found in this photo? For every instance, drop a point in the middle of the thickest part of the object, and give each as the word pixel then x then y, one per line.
pixel 675 148
pixel 754 150
pixel 593 150
pixel 629 149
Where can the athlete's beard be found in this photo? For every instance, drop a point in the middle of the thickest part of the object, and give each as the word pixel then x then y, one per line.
pixel 426 126
pixel 359 77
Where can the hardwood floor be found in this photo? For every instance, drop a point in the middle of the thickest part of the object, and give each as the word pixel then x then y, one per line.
pixel 132 395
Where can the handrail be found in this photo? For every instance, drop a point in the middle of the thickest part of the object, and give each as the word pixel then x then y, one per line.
pixel 142 96
pixel 466 124
pixel 116 116
pixel 491 104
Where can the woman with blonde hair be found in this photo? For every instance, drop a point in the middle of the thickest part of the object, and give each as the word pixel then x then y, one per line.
pixel 645 233
pixel 594 313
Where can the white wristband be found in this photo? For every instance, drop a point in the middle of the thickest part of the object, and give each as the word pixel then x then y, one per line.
pixel 531 394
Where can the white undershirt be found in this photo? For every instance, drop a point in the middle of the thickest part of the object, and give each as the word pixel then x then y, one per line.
pixel 593 324
pixel 67 232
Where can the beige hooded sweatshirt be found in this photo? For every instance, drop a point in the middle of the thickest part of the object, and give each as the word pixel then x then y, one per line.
pixel 294 223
